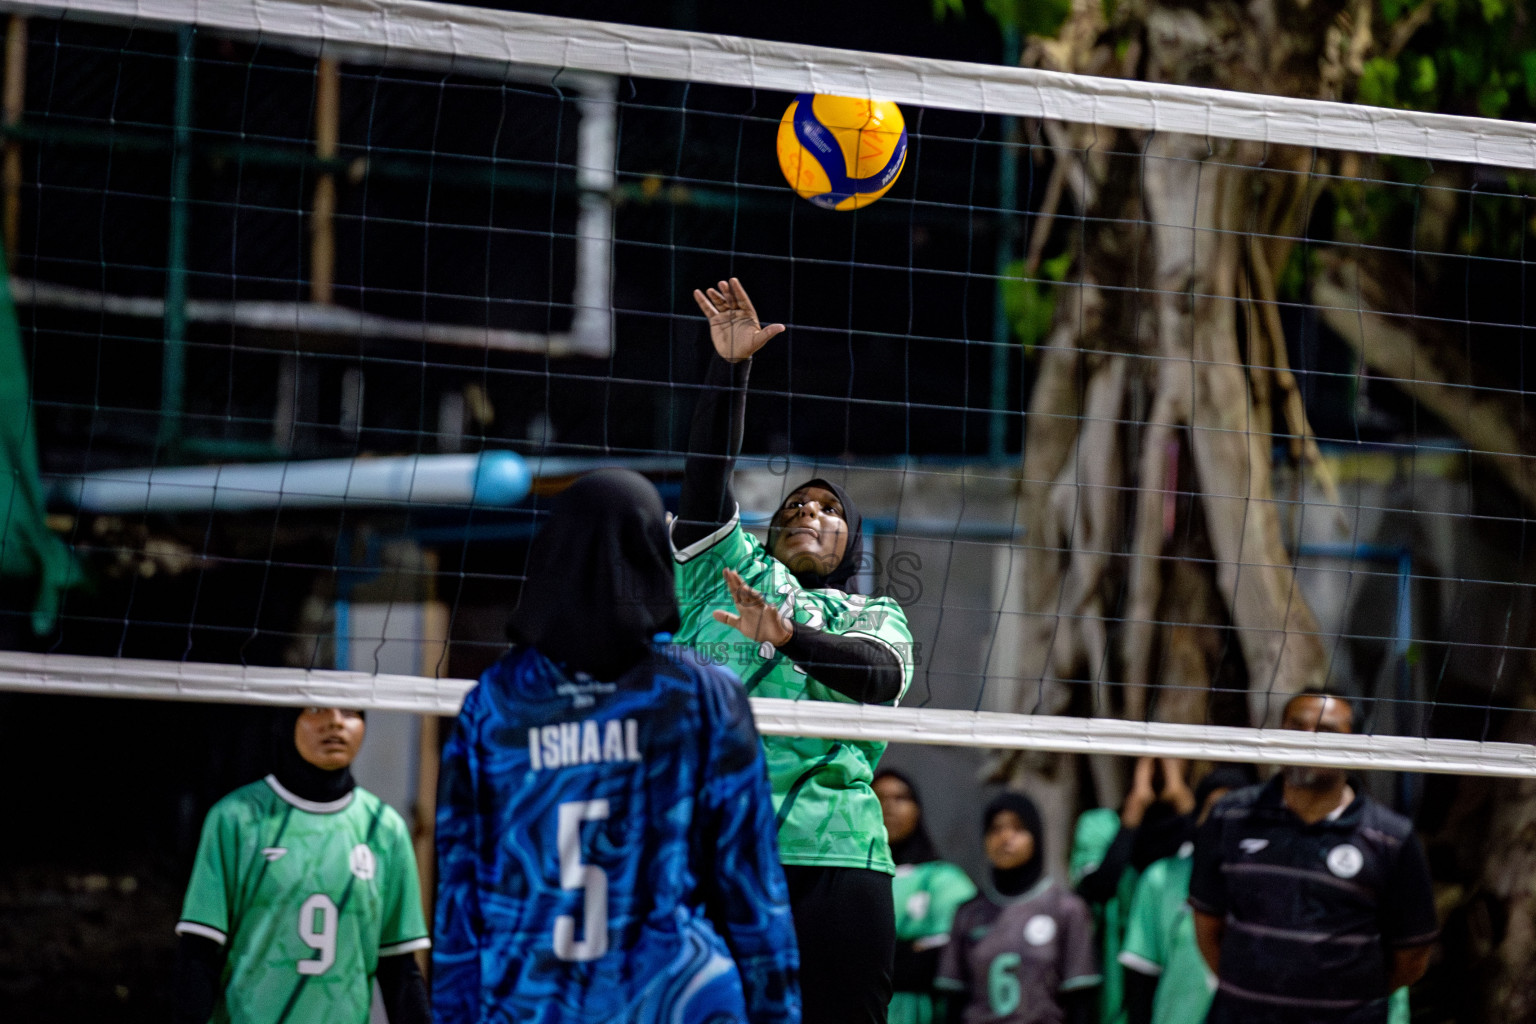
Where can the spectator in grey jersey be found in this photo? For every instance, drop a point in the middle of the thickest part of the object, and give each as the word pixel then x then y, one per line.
pixel 1312 902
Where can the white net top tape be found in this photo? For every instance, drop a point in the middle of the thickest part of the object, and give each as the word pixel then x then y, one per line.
pixel 448 35
pixel 72 675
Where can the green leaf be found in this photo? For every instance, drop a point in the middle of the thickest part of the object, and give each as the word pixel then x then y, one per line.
pixel 1056 267
pixel 942 9
pixel 1378 83
pixel 1493 10
pixel 1425 78
pixel 1031 17
pixel 1469 66
pixel 1492 100
pixel 1030 303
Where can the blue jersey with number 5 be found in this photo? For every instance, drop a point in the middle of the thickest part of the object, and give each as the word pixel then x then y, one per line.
pixel 606 852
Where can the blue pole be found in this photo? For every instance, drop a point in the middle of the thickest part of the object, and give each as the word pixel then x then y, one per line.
pixel 1008 203
pixel 173 359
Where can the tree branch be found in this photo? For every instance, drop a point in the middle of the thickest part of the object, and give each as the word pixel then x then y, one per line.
pixel 1435 374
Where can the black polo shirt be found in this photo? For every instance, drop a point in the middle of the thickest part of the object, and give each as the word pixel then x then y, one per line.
pixel 1313 912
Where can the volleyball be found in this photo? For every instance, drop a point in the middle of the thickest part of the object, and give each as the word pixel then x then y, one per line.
pixel 841 152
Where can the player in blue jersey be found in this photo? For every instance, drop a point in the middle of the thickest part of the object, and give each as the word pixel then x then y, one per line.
pixel 605 833
pixel 304 892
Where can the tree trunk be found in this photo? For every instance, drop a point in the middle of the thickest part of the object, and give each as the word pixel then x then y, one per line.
pixel 1509 877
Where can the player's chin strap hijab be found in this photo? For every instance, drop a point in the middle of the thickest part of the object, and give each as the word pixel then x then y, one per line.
pixel 599 584
pixel 1013 881
pixel 298 776
pixel 844 571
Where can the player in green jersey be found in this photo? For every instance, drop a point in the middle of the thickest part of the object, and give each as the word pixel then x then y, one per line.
pixel 927 891
pixel 1110 850
pixel 781 616
pixel 304 890
pixel 1166 980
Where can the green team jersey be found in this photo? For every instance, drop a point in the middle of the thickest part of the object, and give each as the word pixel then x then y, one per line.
pixel 1096 830
pixel 1160 941
pixel 926 896
pixel 305 897
pixel 822 789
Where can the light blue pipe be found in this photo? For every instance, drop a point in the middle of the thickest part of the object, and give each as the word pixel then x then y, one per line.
pixel 495 478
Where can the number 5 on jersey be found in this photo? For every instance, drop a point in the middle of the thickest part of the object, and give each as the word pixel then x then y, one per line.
pixel 578 876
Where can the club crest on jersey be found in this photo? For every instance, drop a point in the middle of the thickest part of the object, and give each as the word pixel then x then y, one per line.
pixel 588 742
pixel 1345 860
pixel 917 904
pixel 362 863
pixel 1039 930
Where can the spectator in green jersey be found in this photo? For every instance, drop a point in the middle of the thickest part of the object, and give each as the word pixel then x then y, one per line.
pixel 783 616
pixel 303 892
pixel 1166 979
pixel 1110 850
pixel 927 891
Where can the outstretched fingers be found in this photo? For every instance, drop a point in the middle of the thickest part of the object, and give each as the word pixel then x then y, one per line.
pixel 706 306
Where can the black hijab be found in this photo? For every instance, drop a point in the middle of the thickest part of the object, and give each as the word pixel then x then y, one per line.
pixel 843 572
pixel 298 776
pixel 599 584
pixel 918 847
pixel 1013 881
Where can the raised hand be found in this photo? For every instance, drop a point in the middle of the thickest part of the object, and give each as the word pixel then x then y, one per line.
pixel 1141 796
pixel 1176 789
pixel 755 618
pixel 733 323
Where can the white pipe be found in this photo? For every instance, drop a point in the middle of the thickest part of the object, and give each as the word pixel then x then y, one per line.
pixel 596 159
pixel 495 478
pixel 78 675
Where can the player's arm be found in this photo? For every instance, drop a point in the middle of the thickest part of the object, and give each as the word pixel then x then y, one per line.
pixel 403 990
pixel 1143 954
pixel 1208 932
pixel 1103 882
pixel 1140 996
pixel 953 980
pixel 1079 966
pixel 860 668
pixel 1081 1007
pixel 1208 889
pixel 1408 966
pixel 1409 922
pixel 403 930
pixel 458 931
pixel 719 418
pixel 745 892
pixel 199 965
pixel 206 920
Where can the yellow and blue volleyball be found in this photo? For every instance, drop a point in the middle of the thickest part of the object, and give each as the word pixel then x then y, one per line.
pixel 841 152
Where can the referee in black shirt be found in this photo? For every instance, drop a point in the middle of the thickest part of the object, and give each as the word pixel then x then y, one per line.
pixel 1312 902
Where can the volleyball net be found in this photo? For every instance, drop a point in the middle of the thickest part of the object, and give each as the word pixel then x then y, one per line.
pixel 1162 403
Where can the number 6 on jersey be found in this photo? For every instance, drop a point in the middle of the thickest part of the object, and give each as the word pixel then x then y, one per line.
pixel 578 876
